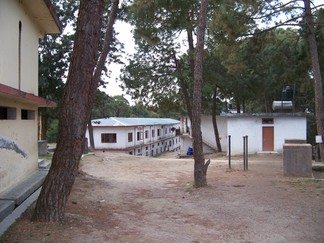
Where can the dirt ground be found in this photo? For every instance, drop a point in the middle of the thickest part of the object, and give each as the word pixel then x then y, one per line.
pixel 122 198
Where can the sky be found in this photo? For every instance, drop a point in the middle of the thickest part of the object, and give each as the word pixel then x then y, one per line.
pixel 125 36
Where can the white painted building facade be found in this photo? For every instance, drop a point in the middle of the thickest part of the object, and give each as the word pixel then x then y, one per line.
pixel 22 23
pixel 136 136
pixel 266 131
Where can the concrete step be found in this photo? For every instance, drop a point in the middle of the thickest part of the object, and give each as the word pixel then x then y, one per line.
pixel 6 207
pixel 17 212
pixel 25 188
pixel 43 164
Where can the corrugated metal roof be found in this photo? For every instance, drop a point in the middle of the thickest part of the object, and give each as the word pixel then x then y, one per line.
pixel 133 121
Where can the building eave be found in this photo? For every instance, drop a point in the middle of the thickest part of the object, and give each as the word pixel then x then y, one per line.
pixel 276 114
pixel 24 97
pixel 43 13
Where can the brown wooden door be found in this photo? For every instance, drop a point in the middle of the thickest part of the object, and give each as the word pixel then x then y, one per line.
pixel 267 138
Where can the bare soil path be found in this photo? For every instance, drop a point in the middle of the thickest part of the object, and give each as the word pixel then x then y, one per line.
pixel 122 198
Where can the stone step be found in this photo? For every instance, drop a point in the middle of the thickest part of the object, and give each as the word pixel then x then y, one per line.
pixel 25 188
pixel 6 208
pixel 43 164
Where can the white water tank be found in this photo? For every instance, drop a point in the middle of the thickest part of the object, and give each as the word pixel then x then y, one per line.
pixel 282 105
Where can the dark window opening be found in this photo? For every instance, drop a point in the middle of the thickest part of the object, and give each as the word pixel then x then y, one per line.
pixel 267 120
pixel 139 136
pixel 7 113
pixel 27 115
pixel 130 137
pixel 108 137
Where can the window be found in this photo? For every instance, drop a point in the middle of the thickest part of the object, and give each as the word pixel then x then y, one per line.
pixel 158 132
pixel 153 133
pixel 7 113
pixel 19 54
pixel 27 115
pixel 267 120
pixel 139 150
pixel 109 138
pixel 139 136
pixel 146 134
pixel 130 137
pixel 146 148
pixel 166 131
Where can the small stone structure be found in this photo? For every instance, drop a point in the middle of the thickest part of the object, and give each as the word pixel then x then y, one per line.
pixel 42 147
pixel 297 160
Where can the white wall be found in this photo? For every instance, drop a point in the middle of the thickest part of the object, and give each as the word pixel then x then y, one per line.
pixel 285 127
pixel 14 166
pixel 247 126
pixel 11 12
pixel 289 128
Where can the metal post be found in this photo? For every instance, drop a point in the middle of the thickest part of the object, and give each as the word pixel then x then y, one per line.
pixel 247 153
pixel 229 151
pixel 244 150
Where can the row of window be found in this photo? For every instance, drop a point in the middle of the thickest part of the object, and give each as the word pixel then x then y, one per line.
pixel 112 138
pixel 10 113
pixel 146 133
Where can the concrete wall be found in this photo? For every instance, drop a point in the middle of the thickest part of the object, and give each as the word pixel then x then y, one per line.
pixel 289 128
pixel 11 12
pixel 18 137
pixel 247 126
pixel 285 127
pixel 18 146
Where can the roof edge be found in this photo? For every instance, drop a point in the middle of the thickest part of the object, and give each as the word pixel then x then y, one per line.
pixel 276 114
pixel 24 97
pixel 55 17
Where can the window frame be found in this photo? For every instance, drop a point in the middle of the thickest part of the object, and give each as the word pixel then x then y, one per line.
pixel 106 137
pixel 130 137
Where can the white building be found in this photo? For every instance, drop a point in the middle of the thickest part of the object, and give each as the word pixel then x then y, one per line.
pixel 266 131
pixel 22 23
pixel 136 136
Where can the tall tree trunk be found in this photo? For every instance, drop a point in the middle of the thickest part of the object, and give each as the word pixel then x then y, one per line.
pixel 74 114
pixel 238 106
pixel 200 168
pixel 183 86
pixel 101 63
pixel 214 121
pixel 319 101
pixel 91 140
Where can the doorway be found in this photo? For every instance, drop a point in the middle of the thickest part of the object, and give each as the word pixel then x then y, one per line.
pixel 267 138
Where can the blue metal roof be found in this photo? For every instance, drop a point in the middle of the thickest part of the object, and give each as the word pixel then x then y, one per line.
pixel 133 121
